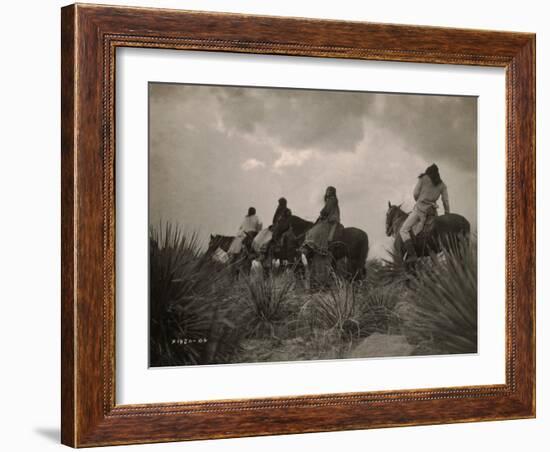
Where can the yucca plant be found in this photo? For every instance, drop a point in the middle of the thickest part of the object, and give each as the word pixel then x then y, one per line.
pixel 266 304
pixel 186 301
pixel 444 311
pixel 377 310
pixel 382 272
pixel 334 308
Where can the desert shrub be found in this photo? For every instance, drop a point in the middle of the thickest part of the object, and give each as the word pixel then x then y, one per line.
pixel 266 304
pixel 377 310
pixel 444 312
pixel 383 272
pixel 352 310
pixel 333 308
pixel 188 300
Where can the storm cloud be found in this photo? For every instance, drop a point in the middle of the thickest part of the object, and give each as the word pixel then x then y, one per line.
pixel 214 151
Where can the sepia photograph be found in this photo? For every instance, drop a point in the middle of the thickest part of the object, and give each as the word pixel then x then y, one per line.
pixel 281 222
pixel 294 224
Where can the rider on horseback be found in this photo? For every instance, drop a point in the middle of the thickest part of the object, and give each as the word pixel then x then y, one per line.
pixel 319 236
pixel 427 191
pixel 250 226
pixel 280 227
pixel 282 213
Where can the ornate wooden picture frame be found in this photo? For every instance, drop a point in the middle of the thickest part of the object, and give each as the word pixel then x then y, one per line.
pixel 90 37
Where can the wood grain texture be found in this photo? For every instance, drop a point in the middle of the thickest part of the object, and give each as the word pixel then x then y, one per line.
pixel 67 224
pixel 90 36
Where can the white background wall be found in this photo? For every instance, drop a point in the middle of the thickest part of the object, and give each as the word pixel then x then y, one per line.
pixel 29 254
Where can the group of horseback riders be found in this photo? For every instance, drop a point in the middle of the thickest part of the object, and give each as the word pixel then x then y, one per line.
pixel 429 188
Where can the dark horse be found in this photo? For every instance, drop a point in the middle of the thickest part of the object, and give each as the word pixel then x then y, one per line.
pixel 352 243
pixel 444 230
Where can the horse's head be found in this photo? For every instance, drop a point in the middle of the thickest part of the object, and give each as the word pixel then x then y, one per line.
pixel 393 212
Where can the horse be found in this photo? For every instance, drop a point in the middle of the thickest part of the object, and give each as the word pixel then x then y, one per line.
pixel 240 262
pixel 352 243
pixel 445 230
pixel 288 237
pixel 219 241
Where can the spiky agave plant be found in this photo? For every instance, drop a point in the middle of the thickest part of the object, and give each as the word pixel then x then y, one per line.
pixel 377 310
pixel 382 272
pixel 186 301
pixel 445 307
pixel 335 307
pixel 266 304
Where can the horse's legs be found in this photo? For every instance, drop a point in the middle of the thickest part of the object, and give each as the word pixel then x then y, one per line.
pixel 235 269
pixel 238 268
pixel 238 263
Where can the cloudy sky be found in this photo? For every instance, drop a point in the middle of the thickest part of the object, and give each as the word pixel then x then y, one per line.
pixel 214 151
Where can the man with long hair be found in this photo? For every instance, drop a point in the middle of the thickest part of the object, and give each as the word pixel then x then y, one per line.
pixel 427 191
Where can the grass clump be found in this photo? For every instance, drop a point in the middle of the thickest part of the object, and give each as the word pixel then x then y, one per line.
pixel 444 313
pixel 377 313
pixel 351 310
pixel 266 304
pixel 385 272
pixel 334 308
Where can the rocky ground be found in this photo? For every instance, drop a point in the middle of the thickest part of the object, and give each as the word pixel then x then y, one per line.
pixel 300 349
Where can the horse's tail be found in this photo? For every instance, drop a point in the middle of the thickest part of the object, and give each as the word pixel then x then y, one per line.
pixel 466 228
pixel 466 231
pixel 462 227
pixel 454 229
